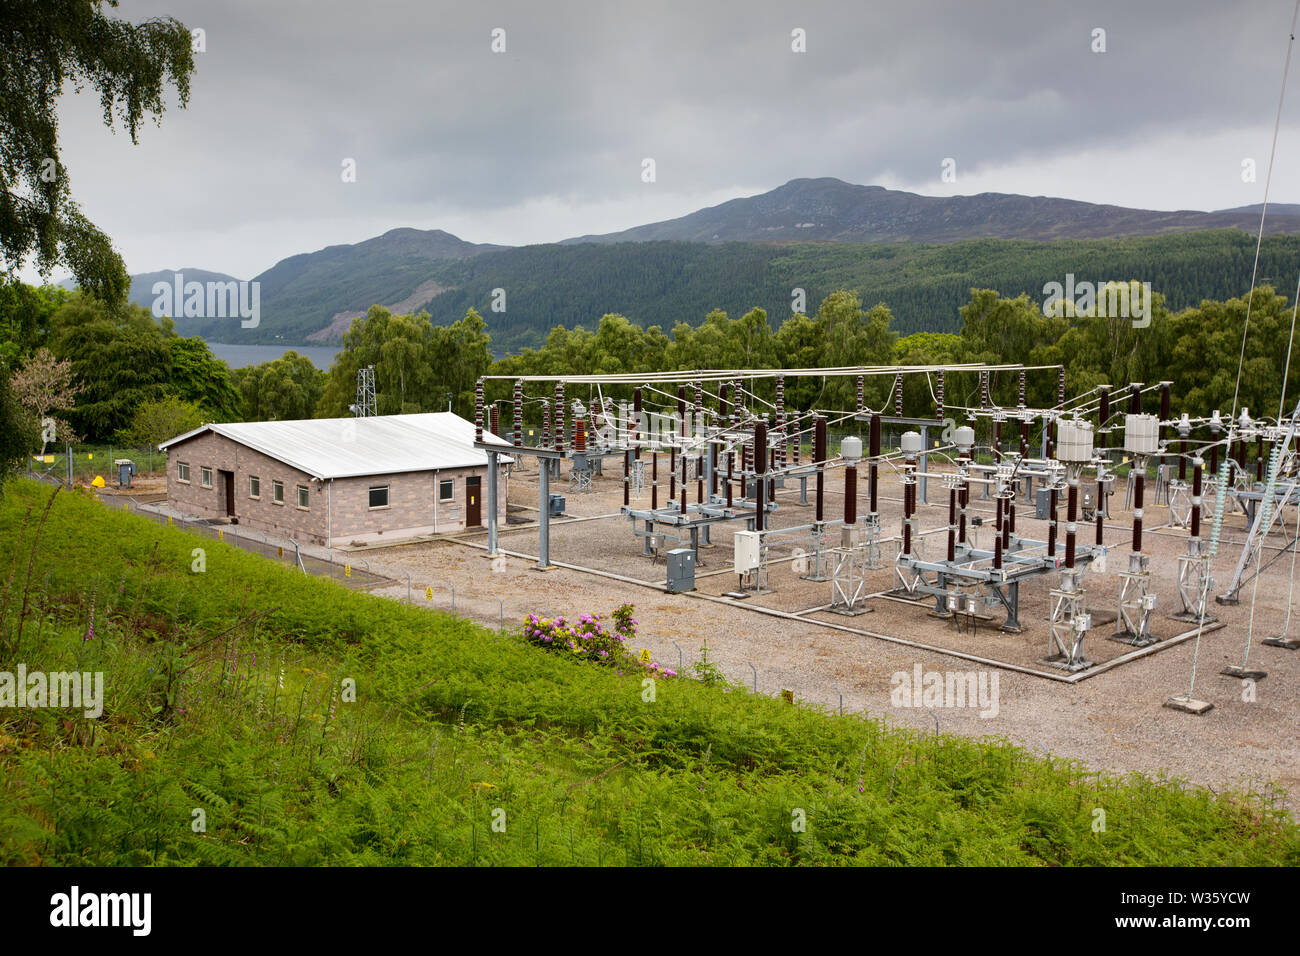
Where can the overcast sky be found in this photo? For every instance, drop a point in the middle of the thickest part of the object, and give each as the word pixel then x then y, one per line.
pixel 546 140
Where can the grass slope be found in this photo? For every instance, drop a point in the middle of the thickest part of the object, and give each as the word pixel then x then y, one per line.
pixel 225 704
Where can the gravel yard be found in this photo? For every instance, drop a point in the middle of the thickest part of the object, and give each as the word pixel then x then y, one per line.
pixel 1112 721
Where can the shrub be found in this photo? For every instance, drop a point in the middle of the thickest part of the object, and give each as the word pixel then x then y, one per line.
pixel 589 639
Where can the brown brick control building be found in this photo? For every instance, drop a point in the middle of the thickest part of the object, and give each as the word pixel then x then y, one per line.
pixel 337 481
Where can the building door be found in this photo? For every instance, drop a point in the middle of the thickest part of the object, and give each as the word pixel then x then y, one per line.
pixel 473 503
pixel 228 479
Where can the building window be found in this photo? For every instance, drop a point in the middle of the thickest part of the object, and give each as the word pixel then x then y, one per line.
pixel 277 492
pixel 254 486
pixel 379 496
pixel 446 490
pixel 182 472
pixel 303 501
pixel 206 474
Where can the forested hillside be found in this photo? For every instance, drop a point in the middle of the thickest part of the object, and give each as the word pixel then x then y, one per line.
pixel 664 283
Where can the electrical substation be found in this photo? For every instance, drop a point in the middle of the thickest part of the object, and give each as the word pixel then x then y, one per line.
pixel 1058 541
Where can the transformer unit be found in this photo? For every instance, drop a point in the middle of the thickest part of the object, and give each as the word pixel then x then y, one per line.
pixel 1141 434
pixel 1073 441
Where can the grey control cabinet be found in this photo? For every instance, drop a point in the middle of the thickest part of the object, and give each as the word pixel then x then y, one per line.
pixel 681 570
pixel 1043 504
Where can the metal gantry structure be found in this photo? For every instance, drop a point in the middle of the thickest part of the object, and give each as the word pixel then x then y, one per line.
pixel 728 450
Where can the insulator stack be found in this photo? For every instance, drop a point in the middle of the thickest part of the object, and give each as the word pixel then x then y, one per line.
pixel 1220 501
pixel 519 414
pixel 681 410
pixel 819 459
pixel 1060 388
pixel 1021 395
pixel 997 529
pixel 898 395
pixel 984 389
pixel 1197 464
pixel 636 422
pixel 1071 517
pixel 792 437
pixel 494 420
pixel 478 411
pixel 952 523
pixel 1214 450
pixel 760 472
pixel 724 407
pixel 1139 484
pixel 909 502
pixel 1164 411
pixel 861 401
pixel 873 449
pixel 559 417
pixel 938 411
pixel 850 494
pixel 780 419
pixel 1051 522
pixel 1024 439
pixel 1103 417
pixel 654 478
pixel 579 435
pixel 1266 509
pixel 1135 399
pixel 546 423
pixel 963 500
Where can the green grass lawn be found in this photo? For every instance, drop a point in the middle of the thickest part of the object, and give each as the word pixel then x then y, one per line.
pixel 228 736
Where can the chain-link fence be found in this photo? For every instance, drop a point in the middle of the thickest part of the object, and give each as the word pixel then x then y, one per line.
pixel 73 463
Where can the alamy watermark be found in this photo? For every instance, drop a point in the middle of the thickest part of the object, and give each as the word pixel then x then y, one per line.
pixel 923 688
pixel 63 689
pixel 209 300
pixel 1117 300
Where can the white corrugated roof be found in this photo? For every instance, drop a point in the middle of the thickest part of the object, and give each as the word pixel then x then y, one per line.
pixel 350 447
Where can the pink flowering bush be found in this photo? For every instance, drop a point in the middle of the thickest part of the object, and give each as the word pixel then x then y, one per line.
pixel 589 639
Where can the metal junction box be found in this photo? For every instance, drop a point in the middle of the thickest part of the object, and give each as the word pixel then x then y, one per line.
pixel 681 570
pixel 747 551
pixel 1043 504
pixel 557 504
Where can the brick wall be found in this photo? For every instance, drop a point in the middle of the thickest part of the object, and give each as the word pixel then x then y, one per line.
pixel 220 453
pixel 339 509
